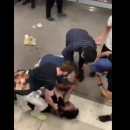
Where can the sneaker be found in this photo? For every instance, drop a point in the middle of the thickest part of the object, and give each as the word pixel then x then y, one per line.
pixel 39 116
pixel 62 15
pixel 51 19
pixel 105 118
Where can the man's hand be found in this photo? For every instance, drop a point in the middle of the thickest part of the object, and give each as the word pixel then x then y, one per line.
pixel 84 67
pixel 108 53
pixel 99 40
pixel 73 87
pixel 55 106
pixel 59 95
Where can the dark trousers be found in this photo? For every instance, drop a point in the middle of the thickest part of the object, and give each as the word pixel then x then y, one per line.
pixel 49 5
pixel 81 60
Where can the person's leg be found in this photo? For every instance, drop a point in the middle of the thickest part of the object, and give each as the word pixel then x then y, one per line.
pixel 104 48
pixel 39 103
pixel 49 5
pixel 60 7
pixel 33 3
pixel 26 2
pixel 81 63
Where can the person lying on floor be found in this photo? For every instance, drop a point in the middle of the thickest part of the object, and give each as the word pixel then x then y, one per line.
pixel 104 67
pixel 26 82
pixel 65 108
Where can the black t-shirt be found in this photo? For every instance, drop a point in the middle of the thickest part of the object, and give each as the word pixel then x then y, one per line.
pixel 43 76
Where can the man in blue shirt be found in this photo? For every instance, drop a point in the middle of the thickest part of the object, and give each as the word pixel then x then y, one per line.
pixel 63 83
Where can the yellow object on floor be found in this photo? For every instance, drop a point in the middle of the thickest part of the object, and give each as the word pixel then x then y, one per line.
pixel 31 42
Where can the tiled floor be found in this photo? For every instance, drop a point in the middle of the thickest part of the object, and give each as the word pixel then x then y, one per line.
pixel 51 39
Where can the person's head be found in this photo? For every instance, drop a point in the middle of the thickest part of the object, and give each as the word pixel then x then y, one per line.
pixel 103 65
pixel 67 68
pixel 70 111
pixel 67 110
pixel 89 54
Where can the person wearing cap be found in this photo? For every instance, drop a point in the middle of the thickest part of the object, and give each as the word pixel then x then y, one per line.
pixel 104 66
pixel 108 44
pixel 78 40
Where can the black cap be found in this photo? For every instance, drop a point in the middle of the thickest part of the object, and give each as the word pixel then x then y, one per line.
pixel 90 54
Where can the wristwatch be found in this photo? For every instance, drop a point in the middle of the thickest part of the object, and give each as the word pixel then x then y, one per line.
pixel 99 85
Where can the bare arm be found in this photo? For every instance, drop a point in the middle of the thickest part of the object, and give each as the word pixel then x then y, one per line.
pixel 106 53
pixel 67 95
pixel 105 31
pixel 48 97
pixel 103 89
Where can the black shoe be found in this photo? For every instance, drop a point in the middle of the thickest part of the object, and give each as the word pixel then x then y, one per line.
pixel 26 2
pixel 105 118
pixel 92 74
pixel 33 6
pixel 19 0
pixel 80 75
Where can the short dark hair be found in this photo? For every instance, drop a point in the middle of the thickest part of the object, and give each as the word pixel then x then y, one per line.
pixel 90 54
pixel 71 114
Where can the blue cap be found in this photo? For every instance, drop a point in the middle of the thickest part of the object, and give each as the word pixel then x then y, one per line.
pixel 101 65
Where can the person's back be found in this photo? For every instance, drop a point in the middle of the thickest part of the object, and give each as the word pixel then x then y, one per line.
pixel 49 58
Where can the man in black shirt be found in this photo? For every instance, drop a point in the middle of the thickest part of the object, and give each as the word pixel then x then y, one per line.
pixel 42 76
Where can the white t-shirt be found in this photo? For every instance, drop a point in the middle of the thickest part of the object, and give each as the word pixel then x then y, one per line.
pixel 109 38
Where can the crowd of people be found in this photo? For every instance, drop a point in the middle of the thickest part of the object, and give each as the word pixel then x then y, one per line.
pixel 48 86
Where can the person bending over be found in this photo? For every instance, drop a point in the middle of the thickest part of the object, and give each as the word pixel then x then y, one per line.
pixel 104 66
pixel 63 83
pixel 78 40
pixel 42 76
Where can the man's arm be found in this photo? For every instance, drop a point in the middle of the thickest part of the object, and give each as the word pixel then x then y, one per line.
pixel 67 95
pixel 105 31
pixel 102 88
pixel 103 54
pixel 48 97
pixel 68 52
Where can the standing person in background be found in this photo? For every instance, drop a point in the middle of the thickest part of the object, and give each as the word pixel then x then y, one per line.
pixel 28 1
pixel 108 45
pixel 49 5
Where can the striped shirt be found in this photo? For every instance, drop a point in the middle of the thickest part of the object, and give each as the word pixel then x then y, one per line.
pixel 76 41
